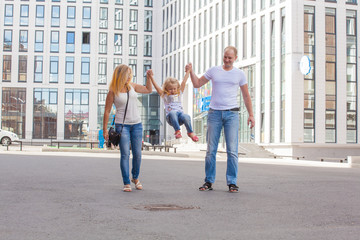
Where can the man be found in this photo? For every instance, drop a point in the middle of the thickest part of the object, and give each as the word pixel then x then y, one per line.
pixel 224 113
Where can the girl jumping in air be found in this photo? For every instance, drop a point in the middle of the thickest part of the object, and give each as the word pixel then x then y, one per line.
pixel 172 94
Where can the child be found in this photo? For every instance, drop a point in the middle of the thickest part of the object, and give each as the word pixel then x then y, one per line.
pixel 172 93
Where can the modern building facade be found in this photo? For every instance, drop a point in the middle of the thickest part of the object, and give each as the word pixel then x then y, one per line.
pixel 57 60
pixel 300 58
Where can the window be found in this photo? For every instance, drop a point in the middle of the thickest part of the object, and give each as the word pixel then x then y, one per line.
pixel 132 65
pixel 118 44
pixel 9 13
pixel 40 11
pixel 69 70
pixel 253 38
pixel 102 42
pixel 102 71
pixel 245 41
pixel 133 45
pixel 24 15
pixel 22 68
pixel 104 1
pixel 133 20
pixel 6 76
pixel 23 41
pixel 147 66
pixel 85 48
pixel 103 17
pixel 117 61
pixel 148 21
pixel 148 3
pixel 7 40
pixel 71 15
pixel 54 41
pixel 54 69
pixel 244 8
pixel 39 41
pixel 70 42
pixel 133 2
pixel 86 21
pixel 351 1
pixel 119 2
pixel 55 16
pixel 38 69
pixel 148 46
pixel 85 70
pixel 118 18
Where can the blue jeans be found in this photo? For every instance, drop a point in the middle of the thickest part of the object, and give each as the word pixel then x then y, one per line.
pixel 217 119
pixel 131 134
pixel 176 119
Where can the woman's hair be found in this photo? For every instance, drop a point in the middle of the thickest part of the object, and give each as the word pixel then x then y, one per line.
pixel 170 81
pixel 120 78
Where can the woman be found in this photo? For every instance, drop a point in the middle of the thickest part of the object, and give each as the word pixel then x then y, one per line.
pixel 132 128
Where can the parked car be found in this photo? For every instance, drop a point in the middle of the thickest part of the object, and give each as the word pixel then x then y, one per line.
pixel 7 137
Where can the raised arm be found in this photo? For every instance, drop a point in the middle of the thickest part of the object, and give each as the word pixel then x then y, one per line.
pixel 197 82
pixel 108 105
pixel 157 87
pixel 141 88
pixel 183 83
pixel 248 104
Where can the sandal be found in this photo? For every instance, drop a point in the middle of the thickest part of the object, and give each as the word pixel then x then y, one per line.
pixel 206 187
pixel 138 185
pixel 194 137
pixel 178 134
pixel 127 188
pixel 233 188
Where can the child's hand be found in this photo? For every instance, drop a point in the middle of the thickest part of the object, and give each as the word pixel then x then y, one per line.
pixel 188 67
pixel 149 73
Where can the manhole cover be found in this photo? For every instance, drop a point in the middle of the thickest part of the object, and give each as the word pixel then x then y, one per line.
pixel 163 207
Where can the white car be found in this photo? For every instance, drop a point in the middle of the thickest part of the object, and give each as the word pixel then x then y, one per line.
pixel 7 137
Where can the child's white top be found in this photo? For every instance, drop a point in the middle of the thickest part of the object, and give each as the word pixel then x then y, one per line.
pixel 225 86
pixel 173 102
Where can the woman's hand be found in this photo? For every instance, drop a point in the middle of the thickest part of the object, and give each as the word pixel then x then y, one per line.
pixel 105 134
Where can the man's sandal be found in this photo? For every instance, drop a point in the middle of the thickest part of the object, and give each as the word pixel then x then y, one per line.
pixel 233 188
pixel 138 185
pixel 206 187
pixel 194 137
pixel 127 188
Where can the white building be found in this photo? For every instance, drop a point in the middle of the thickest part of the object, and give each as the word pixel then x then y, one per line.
pixel 57 60
pixel 296 114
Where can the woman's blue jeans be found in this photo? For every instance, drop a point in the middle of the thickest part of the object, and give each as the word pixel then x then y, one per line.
pixel 176 119
pixel 131 135
pixel 217 119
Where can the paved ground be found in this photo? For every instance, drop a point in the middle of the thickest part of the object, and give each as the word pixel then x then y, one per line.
pixel 78 196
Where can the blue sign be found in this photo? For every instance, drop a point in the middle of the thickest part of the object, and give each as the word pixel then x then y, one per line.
pixel 205 104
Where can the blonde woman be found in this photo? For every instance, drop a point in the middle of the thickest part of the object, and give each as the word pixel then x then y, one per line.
pixel 172 93
pixel 132 128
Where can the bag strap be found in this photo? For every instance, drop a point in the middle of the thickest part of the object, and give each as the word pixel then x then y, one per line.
pixel 127 101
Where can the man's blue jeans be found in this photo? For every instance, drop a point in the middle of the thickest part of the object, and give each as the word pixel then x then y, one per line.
pixel 176 119
pixel 217 119
pixel 131 134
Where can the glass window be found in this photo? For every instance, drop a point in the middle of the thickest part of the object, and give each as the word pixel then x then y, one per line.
pixel 54 41
pixel 8 15
pixel 132 65
pixel 118 18
pixel 40 13
pixel 7 40
pixel 6 76
pixel 102 42
pixel 24 15
pixel 23 41
pixel 104 1
pixel 102 71
pixel 148 3
pixel 119 2
pixel 22 68
pixel 148 21
pixel 86 21
pixel 118 44
pixel 148 46
pixel 70 42
pixel 38 69
pixel 71 15
pixel 69 70
pixel 54 69
pixel 117 61
pixel 55 16
pixel 85 70
pixel 133 2
pixel 147 66
pixel 103 17
pixel 133 20
pixel 85 42
pixel 39 41
pixel 133 45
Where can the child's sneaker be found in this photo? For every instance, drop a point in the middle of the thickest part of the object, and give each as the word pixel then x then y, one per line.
pixel 178 134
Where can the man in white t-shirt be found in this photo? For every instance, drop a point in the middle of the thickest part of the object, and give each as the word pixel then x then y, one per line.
pixel 224 113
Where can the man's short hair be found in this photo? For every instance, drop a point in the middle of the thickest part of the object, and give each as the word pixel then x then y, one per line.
pixel 231 48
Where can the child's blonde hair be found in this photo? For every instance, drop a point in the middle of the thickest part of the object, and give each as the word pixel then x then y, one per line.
pixel 169 81
pixel 120 78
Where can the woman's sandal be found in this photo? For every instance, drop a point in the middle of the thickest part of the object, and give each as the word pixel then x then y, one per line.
pixel 233 188
pixel 178 134
pixel 127 188
pixel 206 187
pixel 194 137
pixel 138 185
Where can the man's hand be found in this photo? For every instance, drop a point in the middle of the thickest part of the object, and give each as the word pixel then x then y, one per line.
pixel 188 67
pixel 251 120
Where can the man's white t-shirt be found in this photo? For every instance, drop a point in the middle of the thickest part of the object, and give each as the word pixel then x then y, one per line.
pixel 225 86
